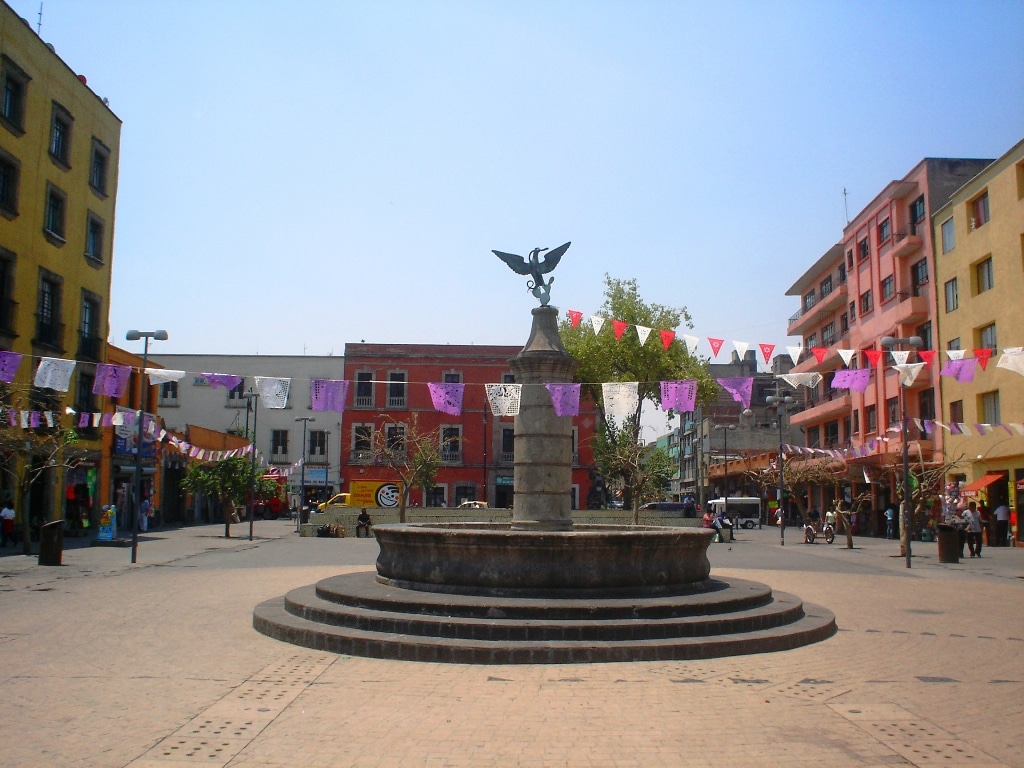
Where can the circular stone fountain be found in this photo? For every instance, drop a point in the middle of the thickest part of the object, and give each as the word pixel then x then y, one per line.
pixel 541 590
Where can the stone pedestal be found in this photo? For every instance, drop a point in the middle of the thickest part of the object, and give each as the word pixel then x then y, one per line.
pixel 543 441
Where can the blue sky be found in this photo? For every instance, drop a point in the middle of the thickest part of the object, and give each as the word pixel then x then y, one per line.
pixel 298 175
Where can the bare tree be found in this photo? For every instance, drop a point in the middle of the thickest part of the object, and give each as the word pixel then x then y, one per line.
pixel 414 455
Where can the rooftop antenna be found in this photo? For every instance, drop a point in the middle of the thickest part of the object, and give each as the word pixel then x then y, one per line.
pixel 39 25
pixel 846 207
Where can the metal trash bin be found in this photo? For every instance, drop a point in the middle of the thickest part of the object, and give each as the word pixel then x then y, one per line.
pixel 949 543
pixel 51 543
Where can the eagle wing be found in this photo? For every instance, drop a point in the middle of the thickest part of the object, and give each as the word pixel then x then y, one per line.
pixel 551 258
pixel 517 263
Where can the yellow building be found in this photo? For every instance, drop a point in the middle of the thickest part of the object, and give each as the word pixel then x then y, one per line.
pixel 59 145
pixel 979 237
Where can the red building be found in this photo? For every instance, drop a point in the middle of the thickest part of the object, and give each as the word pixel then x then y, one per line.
pixel 388 392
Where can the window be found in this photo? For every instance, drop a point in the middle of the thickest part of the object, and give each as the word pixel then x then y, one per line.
pixel 853 311
pixel 917 214
pixel 865 302
pixel 10 173
pixel 49 329
pixel 919 275
pixel 395 437
pixel 811 341
pixel 465 493
pixel 828 335
pixel 979 211
pixel 888 287
pixel 60 135
pixel 98 167
pixel 831 434
pixel 953 344
pixel 15 85
pixel 362 442
pixel 508 378
pixel 90 341
pixel 83 393
pixel 847 427
pixel 856 423
pixel 884 231
pixel 452 377
pixel 451 444
pixel 844 324
pixel 94 237
pixel 987 337
pixel 863 249
pixel 317 443
pixel 952 298
pixel 956 411
pixel 396 389
pixel 849 259
pixel 948 235
pixel 236 395
pixel 814 437
pixel 924 331
pixel 988 407
pixel 168 393
pixel 841 274
pixel 826 287
pixel 279 443
pixel 364 389
pixel 810 299
pixel 984 276
pixel 892 410
pixel 926 404
pixel 7 303
pixel 508 444
pixel 870 419
pixel 53 223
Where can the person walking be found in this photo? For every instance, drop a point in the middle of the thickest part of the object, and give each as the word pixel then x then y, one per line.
pixel 890 522
pixel 7 516
pixel 1002 514
pixel 972 517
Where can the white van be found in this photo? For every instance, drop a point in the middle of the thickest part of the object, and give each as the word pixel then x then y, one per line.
pixel 744 511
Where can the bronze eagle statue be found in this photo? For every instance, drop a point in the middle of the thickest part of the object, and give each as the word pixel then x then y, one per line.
pixel 536 269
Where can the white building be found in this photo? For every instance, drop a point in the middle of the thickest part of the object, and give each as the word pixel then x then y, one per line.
pixel 278 431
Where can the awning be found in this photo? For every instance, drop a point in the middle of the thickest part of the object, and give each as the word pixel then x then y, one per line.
pixel 971 489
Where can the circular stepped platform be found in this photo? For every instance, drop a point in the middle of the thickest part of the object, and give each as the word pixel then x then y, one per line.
pixel 359 615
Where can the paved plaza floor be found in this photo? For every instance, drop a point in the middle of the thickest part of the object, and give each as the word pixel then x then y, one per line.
pixel 156 665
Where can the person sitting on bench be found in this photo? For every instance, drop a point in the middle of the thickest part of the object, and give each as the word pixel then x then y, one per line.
pixel 363 523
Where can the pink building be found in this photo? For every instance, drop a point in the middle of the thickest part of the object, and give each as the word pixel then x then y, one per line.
pixel 878 281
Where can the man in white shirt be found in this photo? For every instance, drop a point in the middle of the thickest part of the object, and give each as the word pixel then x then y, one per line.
pixel 7 525
pixel 1002 515
pixel 972 517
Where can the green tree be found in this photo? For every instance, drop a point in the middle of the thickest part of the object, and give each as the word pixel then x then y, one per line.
pixel 642 472
pixel 414 455
pixel 227 479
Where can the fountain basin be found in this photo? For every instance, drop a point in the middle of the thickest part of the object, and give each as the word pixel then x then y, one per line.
pixel 589 560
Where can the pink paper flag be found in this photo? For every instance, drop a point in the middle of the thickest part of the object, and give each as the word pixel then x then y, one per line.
pixel 666 338
pixel 619 327
pixel 446 396
pixel 565 398
pixel 874 356
pixel 574 317
pixel 819 353
pixel 766 351
pixel 716 345
pixel 983 355
pixel 927 356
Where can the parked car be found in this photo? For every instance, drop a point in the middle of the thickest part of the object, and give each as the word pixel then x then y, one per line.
pixel 473 505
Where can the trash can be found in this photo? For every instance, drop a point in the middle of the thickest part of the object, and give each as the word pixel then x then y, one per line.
pixel 949 543
pixel 51 543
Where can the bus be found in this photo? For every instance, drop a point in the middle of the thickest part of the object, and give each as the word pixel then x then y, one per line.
pixel 744 511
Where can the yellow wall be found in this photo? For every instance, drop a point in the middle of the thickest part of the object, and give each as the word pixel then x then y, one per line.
pixel 1002 239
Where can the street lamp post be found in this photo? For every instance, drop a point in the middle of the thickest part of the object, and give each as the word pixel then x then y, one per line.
pixel 143 392
pixel 252 398
pixel 302 473
pixel 889 342
pixel 725 471
pixel 780 402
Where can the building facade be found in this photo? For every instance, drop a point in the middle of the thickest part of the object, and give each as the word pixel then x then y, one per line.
pixel 878 281
pixel 979 234
pixel 389 395
pixel 59 150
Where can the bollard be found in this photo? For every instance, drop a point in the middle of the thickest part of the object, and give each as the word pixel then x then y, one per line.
pixel 51 543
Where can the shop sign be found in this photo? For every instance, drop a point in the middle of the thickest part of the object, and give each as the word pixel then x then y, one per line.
pixel 504 481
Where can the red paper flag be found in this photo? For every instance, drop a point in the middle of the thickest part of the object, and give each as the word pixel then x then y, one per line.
pixel 620 328
pixel 666 338
pixel 874 356
pixel 766 351
pixel 574 317
pixel 716 345
pixel 927 356
pixel 819 353
pixel 983 356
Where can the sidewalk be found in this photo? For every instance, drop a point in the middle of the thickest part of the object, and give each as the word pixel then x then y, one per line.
pixel 156 665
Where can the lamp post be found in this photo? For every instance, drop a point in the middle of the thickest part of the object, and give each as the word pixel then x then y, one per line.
pixel 302 474
pixel 890 342
pixel 780 402
pixel 252 398
pixel 143 393
pixel 725 433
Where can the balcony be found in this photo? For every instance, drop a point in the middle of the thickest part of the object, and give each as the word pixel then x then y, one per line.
pixel 361 457
pixel 819 311
pixel 835 403
pixel 506 457
pixel 909 309
pixel 277 457
pixel 451 457
pixel 316 460
pixel 8 311
pixel 906 244
pixel 364 401
pixel 90 347
pixel 49 334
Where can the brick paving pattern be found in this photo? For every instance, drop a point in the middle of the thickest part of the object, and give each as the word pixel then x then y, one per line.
pixel 156 666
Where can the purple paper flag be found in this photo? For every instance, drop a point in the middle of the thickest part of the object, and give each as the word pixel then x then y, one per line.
pixel 565 398
pixel 446 396
pixel 9 362
pixel 852 378
pixel 226 380
pixel 111 380
pixel 679 396
pixel 107 420
pixel 739 387
pixel 328 394
pixel 83 419
pixel 34 419
pixel 961 370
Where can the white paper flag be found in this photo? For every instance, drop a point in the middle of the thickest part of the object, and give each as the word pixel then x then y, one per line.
pixel 794 354
pixel 847 355
pixel 899 356
pixel 643 332
pixel 1012 359
pixel 162 375
pixel 620 400
pixel 956 354
pixel 908 372
pixel 597 322
pixel 504 398
pixel 741 347
pixel 691 343
pixel 273 392
pixel 54 373
pixel 801 379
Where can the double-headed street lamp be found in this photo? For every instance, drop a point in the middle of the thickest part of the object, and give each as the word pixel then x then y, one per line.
pixel 781 402
pixel 252 398
pixel 890 342
pixel 725 472
pixel 302 474
pixel 143 399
